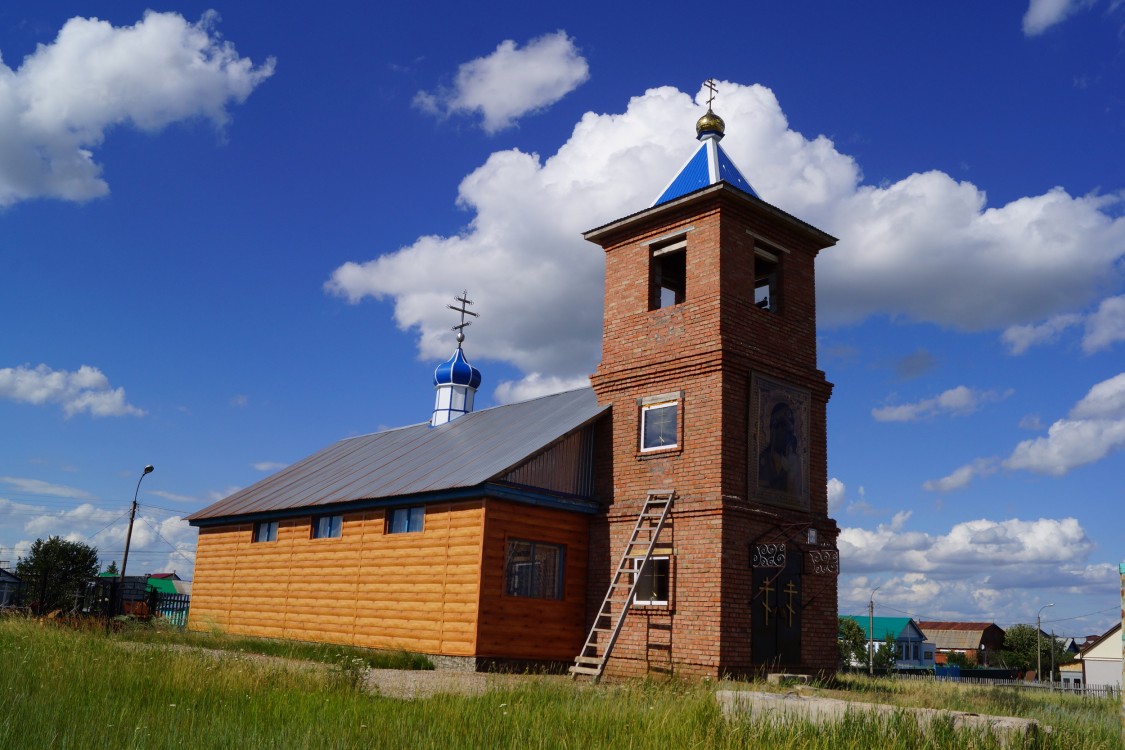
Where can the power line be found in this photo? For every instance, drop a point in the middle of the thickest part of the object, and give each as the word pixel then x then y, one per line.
pixel 171 546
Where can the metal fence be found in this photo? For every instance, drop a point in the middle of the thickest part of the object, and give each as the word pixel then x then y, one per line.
pixel 1092 691
pixel 102 597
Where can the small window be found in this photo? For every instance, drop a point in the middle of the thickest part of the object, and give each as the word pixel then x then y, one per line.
pixel 403 520
pixel 327 527
pixel 668 276
pixel 534 570
pixel 767 288
pixel 265 531
pixel 659 428
pixel 652 582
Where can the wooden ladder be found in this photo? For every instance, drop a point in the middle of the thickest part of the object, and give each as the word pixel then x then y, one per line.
pixel 623 585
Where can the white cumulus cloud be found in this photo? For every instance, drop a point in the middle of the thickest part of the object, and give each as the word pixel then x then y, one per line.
pixel 1043 14
pixel 1022 337
pixel 1106 326
pixel 39 487
pixel 960 400
pixel 65 96
pixel 978 569
pixel 837 493
pixel 961 477
pixel 512 81
pixel 536 385
pixel 84 390
pixel 1094 428
pixel 539 285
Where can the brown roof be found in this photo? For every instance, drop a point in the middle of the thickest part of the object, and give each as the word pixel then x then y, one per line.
pixel 956 635
pixel 940 625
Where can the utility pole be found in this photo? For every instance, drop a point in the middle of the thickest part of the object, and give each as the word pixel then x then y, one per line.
pixel 1038 642
pixel 871 633
pixel 132 515
pixel 1053 644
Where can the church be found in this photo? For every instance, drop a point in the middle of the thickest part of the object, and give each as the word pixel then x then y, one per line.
pixel 671 519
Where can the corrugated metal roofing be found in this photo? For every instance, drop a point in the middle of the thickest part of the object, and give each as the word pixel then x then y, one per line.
pixel 956 635
pixel 466 452
pixel 707 166
pixel 882 626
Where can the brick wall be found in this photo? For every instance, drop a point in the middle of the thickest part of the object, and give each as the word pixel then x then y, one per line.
pixel 709 347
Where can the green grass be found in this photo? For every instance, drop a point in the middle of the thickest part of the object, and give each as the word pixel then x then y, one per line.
pixel 326 653
pixel 61 688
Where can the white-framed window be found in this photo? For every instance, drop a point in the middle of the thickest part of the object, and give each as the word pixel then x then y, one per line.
pixel 653 581
pixel 534 569
pixel 660 425
pixel 404 520
pixel 265 531
pixel 327 527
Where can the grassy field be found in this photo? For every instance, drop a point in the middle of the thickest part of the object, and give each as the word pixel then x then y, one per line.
pixel 66 689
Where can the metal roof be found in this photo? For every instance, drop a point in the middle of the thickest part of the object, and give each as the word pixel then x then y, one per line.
pixel 957 635
pixel 883 626
pixel 466 452
pixel 708 165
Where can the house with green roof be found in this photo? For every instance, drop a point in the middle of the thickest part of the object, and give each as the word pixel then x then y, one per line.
pixel 912 650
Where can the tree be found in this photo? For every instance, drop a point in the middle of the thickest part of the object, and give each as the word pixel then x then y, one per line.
pixel 111 569
pixel 56 571
pixel 1019 648
pixel 886 655
pixel 852 642
pixel 959 659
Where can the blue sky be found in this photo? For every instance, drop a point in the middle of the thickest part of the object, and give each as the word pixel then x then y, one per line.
pixel 228 236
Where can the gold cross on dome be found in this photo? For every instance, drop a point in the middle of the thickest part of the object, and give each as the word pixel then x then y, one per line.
pixel 710 85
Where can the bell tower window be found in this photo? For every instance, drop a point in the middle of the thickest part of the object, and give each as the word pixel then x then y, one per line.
pixel 668 274
pixel 767 279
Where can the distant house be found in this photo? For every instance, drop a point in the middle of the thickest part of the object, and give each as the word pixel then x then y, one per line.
pixel 1070 675
pixel 10 586
pixel 1101 660
pixel 912 650
pixel 978 641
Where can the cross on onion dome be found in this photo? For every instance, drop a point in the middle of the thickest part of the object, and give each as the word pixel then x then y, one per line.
pixel 465 302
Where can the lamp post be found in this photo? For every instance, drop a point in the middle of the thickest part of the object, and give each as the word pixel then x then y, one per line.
pixel 132 515
pixel 871 632
pixel 1038 647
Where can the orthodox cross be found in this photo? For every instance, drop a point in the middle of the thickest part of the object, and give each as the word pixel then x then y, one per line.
pixel 709 84
pixel 765 590
pixel 791 590
pixel 465 302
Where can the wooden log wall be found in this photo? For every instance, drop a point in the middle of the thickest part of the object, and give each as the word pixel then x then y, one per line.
pixel 416 591
pixel 515 627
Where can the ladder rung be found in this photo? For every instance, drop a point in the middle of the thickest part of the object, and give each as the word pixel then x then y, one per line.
pixel 585 670
pixel 588 660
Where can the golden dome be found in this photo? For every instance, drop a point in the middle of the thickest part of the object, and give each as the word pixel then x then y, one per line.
pixel 712 122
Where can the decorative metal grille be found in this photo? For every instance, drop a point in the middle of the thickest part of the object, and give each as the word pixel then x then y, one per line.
pixel 825 561
pixel 767 556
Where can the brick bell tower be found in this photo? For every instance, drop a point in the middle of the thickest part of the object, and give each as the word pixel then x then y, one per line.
pixel 709 362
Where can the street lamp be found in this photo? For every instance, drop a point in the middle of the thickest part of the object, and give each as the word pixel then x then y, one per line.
pixel 871 631
pixel 132 515
pixel 1038 647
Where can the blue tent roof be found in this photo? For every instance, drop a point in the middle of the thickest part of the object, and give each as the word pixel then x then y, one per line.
pixel 707 166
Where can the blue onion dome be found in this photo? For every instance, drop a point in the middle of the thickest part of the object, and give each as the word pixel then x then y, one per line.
pixel 457 371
